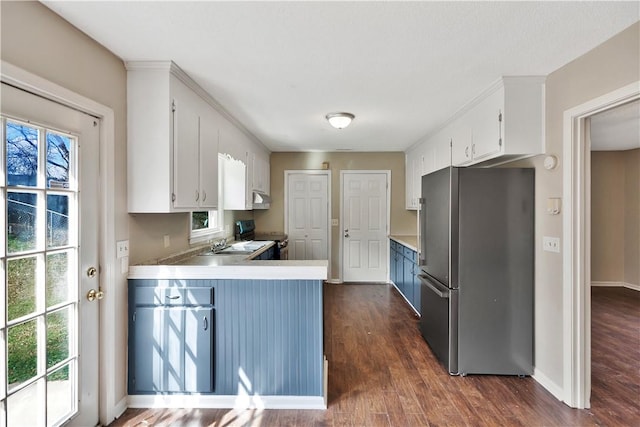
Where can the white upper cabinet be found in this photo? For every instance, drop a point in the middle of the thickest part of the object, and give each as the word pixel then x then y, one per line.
pixel 234 184
pixel 261 172
pixel 172 141
pixel 506 122
pixel 426 157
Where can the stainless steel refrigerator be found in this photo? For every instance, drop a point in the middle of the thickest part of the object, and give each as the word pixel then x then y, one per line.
pixel 477 260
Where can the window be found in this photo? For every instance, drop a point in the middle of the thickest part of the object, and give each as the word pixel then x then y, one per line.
pixel 207 225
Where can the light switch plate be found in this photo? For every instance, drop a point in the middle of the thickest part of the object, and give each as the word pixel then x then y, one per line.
pixel 122 249
pixel 551 244
pixel 167 241
pixel 334 222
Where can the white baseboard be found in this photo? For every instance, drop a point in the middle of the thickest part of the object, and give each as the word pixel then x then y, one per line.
pixel 617 285
pixel 120 407
pixel 334 281
pixel 551 386
pixel 231 402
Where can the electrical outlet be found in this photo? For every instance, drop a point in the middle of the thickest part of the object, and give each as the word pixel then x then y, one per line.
pixel 122 249
pixel 334 222
pixel 551 244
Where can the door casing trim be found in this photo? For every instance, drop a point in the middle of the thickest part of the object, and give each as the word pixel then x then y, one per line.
pixel 30 82
pixel 576 264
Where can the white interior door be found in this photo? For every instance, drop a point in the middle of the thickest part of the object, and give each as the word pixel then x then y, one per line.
pixel 308 215
pixel 49 261
pixel 365 226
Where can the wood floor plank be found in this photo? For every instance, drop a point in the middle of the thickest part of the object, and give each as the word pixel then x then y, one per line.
pixel 382 373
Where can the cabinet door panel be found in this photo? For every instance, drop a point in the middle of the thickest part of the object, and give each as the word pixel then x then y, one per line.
pixel 399 271
pixel 198 349
pixel 209 142
pixel 148 360
pixel 392 262
pixel 486 127
pixel 186 135
pixel 461 150
pixel 416 289
pixel 408 279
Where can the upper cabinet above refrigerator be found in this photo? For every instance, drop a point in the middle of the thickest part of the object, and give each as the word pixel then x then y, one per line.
pixel 504 123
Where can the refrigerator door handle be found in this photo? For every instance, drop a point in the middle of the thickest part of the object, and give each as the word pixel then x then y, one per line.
pixel 439 290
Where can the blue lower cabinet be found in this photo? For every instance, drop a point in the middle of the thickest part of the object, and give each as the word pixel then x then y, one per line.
pixel 403 272
pixel 173 349
pixel 262 337
pixel 408 282
pixel 400 271
pixel 392 261
pixel 416 289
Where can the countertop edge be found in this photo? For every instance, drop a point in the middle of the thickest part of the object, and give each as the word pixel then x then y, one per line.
pixel 254 270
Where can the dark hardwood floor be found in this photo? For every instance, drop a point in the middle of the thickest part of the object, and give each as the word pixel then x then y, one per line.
pixel 381 372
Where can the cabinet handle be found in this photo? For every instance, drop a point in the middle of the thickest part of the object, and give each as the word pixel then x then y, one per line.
pixel 197 195
pixel 173 297
pixel 205 323
pixel 204 195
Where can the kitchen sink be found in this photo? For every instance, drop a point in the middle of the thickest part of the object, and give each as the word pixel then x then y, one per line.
pixel 239 248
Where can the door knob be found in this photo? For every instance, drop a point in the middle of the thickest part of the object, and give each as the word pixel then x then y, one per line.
pixel 92 272
pixel 93 295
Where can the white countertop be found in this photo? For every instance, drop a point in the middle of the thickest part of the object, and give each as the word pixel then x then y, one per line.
pixel 230 266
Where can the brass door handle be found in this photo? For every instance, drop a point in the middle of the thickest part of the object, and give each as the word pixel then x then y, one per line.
pixel 93 295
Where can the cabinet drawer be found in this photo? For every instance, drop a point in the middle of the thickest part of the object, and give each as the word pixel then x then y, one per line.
pixel 173 296
pixel 409 253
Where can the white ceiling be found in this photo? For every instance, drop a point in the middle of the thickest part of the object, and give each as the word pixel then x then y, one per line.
pixel 401 67
pixel 617 129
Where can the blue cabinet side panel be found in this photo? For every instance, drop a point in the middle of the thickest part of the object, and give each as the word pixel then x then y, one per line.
pixel 269 337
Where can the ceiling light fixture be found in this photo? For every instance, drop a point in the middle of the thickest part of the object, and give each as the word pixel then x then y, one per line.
pixel 340 120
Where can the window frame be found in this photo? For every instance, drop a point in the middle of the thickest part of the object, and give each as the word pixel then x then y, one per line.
pixel 211 232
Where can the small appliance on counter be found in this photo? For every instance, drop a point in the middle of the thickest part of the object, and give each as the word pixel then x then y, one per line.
pixel 246 230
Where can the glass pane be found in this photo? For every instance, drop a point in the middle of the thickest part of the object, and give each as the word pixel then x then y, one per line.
pixel 57 220
pixel 58 156
pixel 26 407
pixel 21 221
pixel 57 282
pixel 22 353
pixel 58 328
pixel 22 155
pixel 21 286
pixel 199 220
pixel 60 399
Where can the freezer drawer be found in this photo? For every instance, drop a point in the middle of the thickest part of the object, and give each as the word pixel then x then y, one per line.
pixel 438 323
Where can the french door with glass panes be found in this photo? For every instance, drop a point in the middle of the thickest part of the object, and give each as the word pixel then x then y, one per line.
pixel 49 262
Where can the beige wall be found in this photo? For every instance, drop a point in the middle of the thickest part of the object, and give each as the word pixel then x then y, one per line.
pixel 402 221
pixel 610 66
pixel 632 218
pixel 615 216
pixel 147 233
pixel 607 216
pixel 39 41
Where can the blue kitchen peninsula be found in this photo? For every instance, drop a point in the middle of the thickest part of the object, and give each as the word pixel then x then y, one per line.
pixel 223 332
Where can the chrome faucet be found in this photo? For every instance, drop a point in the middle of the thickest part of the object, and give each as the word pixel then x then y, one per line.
pixel 219 245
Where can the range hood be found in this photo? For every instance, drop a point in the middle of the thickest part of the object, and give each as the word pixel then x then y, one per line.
pixel 261 200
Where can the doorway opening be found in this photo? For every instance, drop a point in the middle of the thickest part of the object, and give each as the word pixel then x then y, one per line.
pixel 577 235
